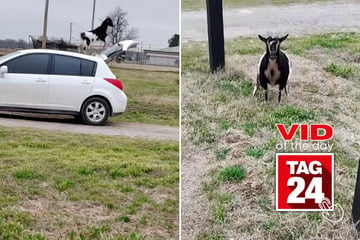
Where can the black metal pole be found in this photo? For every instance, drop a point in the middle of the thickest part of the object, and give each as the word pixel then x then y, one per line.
pixel 215 34
pixel 356 201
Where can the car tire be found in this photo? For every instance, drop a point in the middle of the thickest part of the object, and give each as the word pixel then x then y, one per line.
pixel 95 111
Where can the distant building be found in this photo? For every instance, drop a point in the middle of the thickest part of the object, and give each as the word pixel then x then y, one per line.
pixel 163 57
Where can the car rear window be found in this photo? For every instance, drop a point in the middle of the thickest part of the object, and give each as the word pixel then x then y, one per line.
pixel 66 65
pixel 30 64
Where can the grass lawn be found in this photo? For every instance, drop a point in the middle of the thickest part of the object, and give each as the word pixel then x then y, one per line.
pixel 67 186
pixel 153 97
pixel 234 135
pixel 193 5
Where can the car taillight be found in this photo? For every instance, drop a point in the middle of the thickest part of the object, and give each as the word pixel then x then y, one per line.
pixel 115 82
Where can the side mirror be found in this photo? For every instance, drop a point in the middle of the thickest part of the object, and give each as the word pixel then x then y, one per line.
pixel 3 70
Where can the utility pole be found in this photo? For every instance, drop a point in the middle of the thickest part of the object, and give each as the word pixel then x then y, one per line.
pixel 215 34
pixel 45 24
pixel 70 32
pixel 93 15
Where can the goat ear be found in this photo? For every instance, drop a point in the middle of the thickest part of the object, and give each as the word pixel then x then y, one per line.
pixel 262 38
pixel 283 38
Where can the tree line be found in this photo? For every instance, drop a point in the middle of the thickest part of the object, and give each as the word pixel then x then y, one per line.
pixel 13 43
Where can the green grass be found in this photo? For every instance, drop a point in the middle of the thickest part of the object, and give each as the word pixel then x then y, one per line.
pixel 255 152
pixel 340 71
pixel 329 41
pixel 264 203
pixel 153 97
pixel 232 173
pixel 302 46
pixel 288 115
pixel 220 208
pixel 232 85
pixel 194 58
pixel 259 150
pixel 221 154
pixel 250 127
pixel 107 175
pixel 225 125
pixel 192 5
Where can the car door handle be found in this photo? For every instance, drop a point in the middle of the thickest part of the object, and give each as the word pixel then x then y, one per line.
pixel 86 82
pixel 40 80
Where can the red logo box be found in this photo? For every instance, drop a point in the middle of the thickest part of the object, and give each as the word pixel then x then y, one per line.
pixel 304 181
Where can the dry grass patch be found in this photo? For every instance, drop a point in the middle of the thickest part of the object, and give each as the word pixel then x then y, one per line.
pixel 223 122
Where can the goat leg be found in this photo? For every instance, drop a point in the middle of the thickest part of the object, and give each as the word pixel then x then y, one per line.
pixel 266 95
pixel 256 86
pixel 255 90
pixel 279 99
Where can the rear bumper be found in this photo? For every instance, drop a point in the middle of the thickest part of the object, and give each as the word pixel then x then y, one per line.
pixel 119 104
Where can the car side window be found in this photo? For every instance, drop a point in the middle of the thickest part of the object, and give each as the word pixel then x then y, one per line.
pixel 65 65
pixel 87 68
pixel 30 64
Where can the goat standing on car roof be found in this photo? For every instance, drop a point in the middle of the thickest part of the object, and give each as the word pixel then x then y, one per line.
pixel 96 34
pixel 274 66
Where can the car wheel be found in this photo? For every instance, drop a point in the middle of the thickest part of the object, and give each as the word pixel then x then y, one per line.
pixel 95 111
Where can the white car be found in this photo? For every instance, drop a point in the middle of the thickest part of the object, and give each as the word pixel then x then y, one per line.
pixel 59 82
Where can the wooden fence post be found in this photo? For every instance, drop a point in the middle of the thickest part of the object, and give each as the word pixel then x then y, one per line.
pixel 215 34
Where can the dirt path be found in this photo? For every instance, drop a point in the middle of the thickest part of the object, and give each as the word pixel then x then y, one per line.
pixel 339 16
pixel 134 130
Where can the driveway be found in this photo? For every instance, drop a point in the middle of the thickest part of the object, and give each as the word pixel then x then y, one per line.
pixel 67 124
pixel 340 16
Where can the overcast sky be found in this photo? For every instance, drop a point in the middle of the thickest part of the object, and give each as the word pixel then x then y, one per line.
pixel 155 20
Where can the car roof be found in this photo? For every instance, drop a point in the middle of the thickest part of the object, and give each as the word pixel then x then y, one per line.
pixel 51 51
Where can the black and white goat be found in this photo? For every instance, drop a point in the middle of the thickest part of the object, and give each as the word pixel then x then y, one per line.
pixel 97 34
pixel 274 66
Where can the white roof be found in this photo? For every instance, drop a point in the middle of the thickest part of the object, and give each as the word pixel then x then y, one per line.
pixel 72 54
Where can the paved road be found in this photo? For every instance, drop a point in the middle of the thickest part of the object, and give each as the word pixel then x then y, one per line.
pixel 293 19
pixel 135 130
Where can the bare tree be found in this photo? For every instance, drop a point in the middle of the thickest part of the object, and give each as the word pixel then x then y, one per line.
pixel 121 30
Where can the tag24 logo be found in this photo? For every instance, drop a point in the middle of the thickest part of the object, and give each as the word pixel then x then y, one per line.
pixel 305 181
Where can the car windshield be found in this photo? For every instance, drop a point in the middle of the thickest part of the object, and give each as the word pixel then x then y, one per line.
pixel 2 58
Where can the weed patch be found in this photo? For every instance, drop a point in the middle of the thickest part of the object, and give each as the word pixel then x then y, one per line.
pixel 27 175
pixel 232 173
pixel 288 115
pixel 222 154
pixel 255 152
pixel 340 71
pixel 250 128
